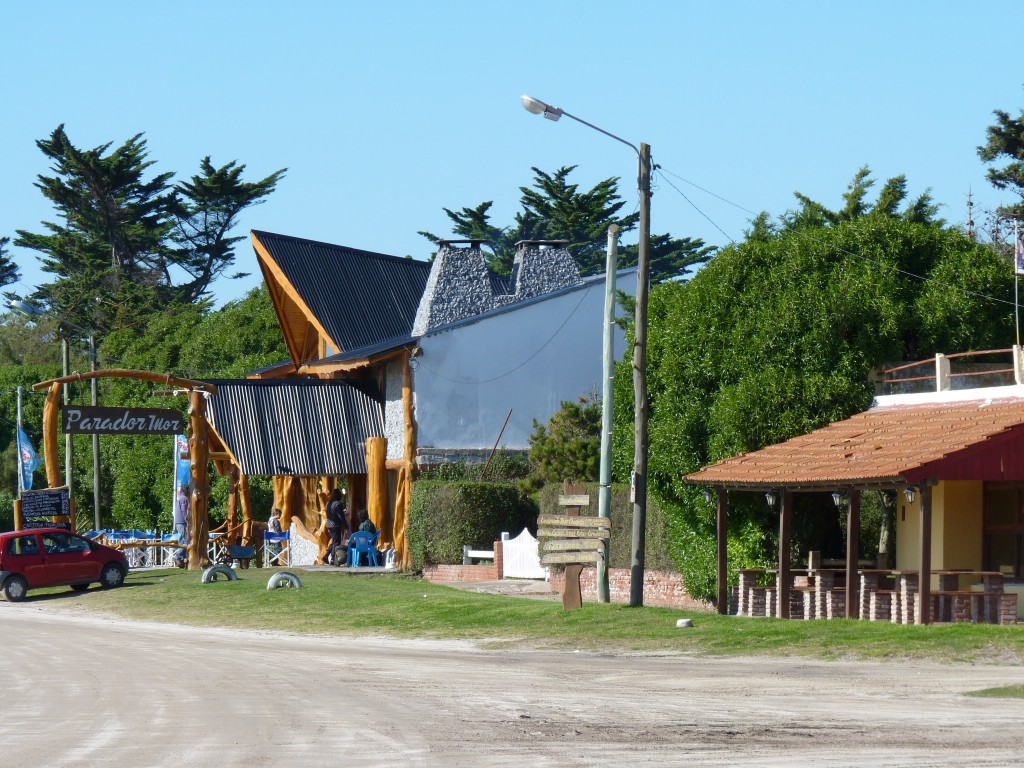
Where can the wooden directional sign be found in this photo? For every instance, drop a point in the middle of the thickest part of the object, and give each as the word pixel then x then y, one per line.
pixel 576 545
pixel 574 521
pixel 552 558
pixel 89 420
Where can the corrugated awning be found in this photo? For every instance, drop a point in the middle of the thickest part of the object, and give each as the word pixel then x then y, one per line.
pixel 888 446
pixel 297 426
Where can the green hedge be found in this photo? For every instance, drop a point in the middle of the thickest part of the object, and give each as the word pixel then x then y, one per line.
pixel 445 516
pixel 656 543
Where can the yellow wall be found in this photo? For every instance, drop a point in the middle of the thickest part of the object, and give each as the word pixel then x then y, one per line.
pixel 956 527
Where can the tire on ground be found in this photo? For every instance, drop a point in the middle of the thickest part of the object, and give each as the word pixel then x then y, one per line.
pixel 211 574
pixel 284 579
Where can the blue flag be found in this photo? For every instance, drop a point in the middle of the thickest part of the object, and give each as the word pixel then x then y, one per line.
pixel 26 459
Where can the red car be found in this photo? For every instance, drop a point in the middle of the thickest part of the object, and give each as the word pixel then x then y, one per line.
pixel 53 557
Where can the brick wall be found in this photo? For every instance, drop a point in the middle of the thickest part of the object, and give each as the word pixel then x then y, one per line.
pixel 449 574
pixel 661 588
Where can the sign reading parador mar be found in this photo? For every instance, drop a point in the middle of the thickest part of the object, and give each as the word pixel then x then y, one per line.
pixel 88 420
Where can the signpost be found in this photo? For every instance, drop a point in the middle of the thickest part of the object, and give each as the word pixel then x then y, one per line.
pixel 91 420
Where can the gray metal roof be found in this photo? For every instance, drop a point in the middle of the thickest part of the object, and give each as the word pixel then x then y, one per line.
pixel 361 298
pixel 296 426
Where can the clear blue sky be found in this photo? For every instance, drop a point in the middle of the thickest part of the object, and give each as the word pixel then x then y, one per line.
pixel 386 112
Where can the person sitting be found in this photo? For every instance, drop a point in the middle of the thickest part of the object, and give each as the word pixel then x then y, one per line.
pixel 336 528
pixel 365 523
pixel 274 526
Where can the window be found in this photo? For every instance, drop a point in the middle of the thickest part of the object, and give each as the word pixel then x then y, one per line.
pixel 59 543
pixel 1004 528
pixel 23 545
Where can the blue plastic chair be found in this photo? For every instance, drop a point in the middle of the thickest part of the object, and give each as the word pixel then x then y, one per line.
pixel 363 543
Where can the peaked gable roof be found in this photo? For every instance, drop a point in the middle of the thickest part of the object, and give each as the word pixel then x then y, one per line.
pixel 888 446
pixel 351 297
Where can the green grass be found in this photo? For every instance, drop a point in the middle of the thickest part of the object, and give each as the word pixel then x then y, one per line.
pixel 334 603
pixel 1006 692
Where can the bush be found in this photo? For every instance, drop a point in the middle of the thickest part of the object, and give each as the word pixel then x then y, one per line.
pixel 656 547
pixel 445 516
pixel 6 510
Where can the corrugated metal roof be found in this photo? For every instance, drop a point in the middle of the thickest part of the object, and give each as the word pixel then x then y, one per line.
pixel 978 440
pixel 296 426
pixel 360 298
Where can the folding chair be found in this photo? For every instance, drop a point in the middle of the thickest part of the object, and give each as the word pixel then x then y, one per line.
pixel 275 547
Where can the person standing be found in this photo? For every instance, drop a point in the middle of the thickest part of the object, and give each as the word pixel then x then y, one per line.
pixel 182 507
pixel 336 527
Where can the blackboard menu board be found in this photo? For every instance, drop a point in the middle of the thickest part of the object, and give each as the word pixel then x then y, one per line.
pixel 38 508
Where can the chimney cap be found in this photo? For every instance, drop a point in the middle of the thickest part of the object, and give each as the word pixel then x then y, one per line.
pixel 474 243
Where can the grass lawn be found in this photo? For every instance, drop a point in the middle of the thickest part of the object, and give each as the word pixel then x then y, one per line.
pixel 335 603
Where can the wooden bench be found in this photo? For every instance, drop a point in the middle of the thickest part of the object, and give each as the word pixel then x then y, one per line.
pixel 470 555
pixel 573 540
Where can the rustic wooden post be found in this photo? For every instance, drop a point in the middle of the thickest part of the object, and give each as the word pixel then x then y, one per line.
pixel 853 555
pixel 232 526
pixel 199 451
pixel 50 408
pixel 377 486
pixel 402 504
pixel 924 582
pixel 785 576
pixel 723 551
pixel 572 595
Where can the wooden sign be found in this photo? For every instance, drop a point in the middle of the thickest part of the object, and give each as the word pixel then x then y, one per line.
pixel 39 508
pixel 95 420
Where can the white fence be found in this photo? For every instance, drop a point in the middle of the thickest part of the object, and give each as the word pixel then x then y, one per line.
pixel 521 558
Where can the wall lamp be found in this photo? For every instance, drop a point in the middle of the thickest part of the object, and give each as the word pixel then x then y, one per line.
pixel 909 492
pixel 708 495
pixel 837 498
pixel 770 498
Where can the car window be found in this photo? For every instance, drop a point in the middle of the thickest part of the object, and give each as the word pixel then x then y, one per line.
pixel 23 545
pixel 59 543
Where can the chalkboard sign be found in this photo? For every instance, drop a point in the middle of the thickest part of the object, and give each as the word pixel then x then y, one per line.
pixel 38 508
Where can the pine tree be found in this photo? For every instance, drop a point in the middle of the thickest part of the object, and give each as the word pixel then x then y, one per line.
pixel 8 269
pixel 1006 142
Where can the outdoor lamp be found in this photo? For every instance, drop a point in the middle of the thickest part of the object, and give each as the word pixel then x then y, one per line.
pixel 708 495
pixel 909 493
pixel 538 107
pixel 770 498
pixel 837 498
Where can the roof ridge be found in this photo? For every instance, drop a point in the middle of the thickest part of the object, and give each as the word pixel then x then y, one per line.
pixel 335 246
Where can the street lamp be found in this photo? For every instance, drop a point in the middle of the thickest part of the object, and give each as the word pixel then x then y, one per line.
pixel 639 479
pixel 31 310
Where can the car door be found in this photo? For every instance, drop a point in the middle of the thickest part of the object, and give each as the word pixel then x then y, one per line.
pixel 22 554
pixel 69 558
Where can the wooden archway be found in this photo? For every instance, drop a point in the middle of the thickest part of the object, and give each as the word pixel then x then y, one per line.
pixel 198 443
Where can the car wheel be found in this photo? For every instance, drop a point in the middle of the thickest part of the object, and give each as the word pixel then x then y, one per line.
pixel 210 574
pixel 15 588
pixel 111 576
pixel 284 579
pixel 79 587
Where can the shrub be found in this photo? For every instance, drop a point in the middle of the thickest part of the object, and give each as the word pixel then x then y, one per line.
pixel 6 510
pixel 656 547
pixel 445 516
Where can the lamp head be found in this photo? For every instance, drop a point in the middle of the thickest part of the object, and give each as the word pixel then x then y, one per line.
pixel 770 498
pixel 538 107
pixel 837 498
pixel 708 495
pixel 23 307
pixel 909 493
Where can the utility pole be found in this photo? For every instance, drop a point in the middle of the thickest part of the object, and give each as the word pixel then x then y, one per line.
pixel 604 493
pixel 65 355
pixel 94 386
pixel 639 484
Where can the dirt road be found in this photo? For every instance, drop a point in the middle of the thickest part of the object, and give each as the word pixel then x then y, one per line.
pixel 84 691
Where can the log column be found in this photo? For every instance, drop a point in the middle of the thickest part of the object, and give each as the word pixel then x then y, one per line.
pixel 924 586
pixel 785 576
pixel 852 555
pixel 723 552
pixel 199 450
pixel 377 486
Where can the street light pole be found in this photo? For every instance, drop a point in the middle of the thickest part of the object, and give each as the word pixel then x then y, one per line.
pixel 639 478
pixel 94 387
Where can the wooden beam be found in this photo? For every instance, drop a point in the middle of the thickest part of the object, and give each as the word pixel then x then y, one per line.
pixel 853 555
pixel 127 373
pixel 722 524
pixel 785 576
pixel 924 586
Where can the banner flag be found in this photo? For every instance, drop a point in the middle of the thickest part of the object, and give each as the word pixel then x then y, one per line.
pixel 27 460
pixel 182 467
pixel 1018 257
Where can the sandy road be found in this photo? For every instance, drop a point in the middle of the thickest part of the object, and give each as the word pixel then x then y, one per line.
pixel 85 691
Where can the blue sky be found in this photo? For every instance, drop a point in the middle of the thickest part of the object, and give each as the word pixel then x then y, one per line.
pixel 386 112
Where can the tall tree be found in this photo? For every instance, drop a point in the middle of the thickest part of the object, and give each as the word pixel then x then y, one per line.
pixel 1005 142
pixel 8 269
pixel 121 238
